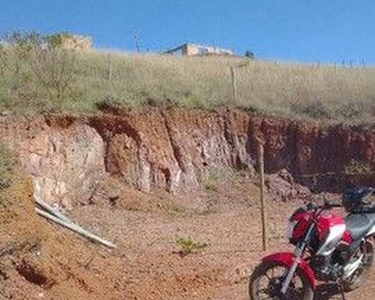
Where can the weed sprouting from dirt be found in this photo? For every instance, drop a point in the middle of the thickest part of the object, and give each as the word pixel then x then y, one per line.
pixel 188 246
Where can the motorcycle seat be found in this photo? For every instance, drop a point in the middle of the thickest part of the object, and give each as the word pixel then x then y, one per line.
pixel 359 225
pixel 371 216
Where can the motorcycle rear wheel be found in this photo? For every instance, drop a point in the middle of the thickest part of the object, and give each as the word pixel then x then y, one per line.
pixel 299 289
pixel 357 279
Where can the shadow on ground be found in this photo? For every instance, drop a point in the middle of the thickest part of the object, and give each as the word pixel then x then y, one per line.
pixel 327 292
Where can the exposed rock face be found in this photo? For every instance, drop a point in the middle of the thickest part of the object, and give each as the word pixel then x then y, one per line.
pixel 66 164
pixel 69 156
pixel 171 149
pixel 281 186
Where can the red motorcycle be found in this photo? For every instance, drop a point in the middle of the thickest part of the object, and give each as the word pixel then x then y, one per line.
pixel 328 248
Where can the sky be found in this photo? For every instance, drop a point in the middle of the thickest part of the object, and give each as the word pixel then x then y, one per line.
pixel 327 31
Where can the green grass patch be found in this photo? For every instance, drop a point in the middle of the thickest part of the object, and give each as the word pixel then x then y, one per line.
pixel 35 80
pixel 188 246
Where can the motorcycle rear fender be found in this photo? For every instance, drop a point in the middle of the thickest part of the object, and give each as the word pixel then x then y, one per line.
pixel 286 259
pixel 371 233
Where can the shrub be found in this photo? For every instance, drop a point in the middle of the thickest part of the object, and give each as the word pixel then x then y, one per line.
pixel 6 166
pixel 315 110
pixel 357 167
pixel 249 54
pixel 55 71
pixel 36 69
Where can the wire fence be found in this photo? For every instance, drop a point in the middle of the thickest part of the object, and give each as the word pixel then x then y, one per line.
pixel 335 181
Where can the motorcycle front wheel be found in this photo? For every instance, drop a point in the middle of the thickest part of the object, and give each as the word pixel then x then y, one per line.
pixel 266 282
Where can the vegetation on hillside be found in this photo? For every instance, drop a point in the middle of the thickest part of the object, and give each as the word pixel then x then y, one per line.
pixel 38 75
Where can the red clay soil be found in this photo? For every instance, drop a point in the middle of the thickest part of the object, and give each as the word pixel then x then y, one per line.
pixel 195 139
pixel 145 180
pixel 173 148
pixel 40 260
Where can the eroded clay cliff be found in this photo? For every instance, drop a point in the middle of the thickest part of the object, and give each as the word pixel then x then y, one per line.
pixel 68 157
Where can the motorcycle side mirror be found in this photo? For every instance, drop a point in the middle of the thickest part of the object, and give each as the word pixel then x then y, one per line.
pixel 310 206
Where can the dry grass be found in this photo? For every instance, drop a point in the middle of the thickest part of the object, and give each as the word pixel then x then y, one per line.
pixel 291 90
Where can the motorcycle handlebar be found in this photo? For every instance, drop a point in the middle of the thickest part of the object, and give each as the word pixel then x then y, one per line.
pixel 326 205
pixel 332 205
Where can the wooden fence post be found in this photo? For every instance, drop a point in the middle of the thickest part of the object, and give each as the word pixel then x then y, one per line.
pixel 262 201
pixel 109 66
pixel 234 84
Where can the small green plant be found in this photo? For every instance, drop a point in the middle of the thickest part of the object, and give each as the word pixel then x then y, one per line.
pixel 357 167
pixel 189 246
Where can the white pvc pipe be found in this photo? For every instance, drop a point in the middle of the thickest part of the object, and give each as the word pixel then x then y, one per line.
pixel 75 228
pixel 52 210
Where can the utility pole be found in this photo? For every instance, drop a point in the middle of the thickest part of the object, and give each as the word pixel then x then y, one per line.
pixel 136 40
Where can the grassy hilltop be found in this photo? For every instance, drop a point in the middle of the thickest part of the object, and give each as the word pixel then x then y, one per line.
pixel 56 80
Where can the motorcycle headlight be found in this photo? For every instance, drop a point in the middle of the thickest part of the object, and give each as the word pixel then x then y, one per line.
pixel 290 229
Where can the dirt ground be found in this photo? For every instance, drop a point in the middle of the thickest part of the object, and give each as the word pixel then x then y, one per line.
pixel 223 217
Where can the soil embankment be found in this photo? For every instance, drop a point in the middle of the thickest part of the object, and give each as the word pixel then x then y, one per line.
pixel 68 157
pixel 148 179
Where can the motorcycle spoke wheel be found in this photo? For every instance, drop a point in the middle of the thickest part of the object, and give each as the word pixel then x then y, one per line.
pixel 267 281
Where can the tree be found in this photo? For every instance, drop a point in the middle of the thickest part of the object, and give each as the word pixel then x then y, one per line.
pixel 34 60
pixel 249 54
